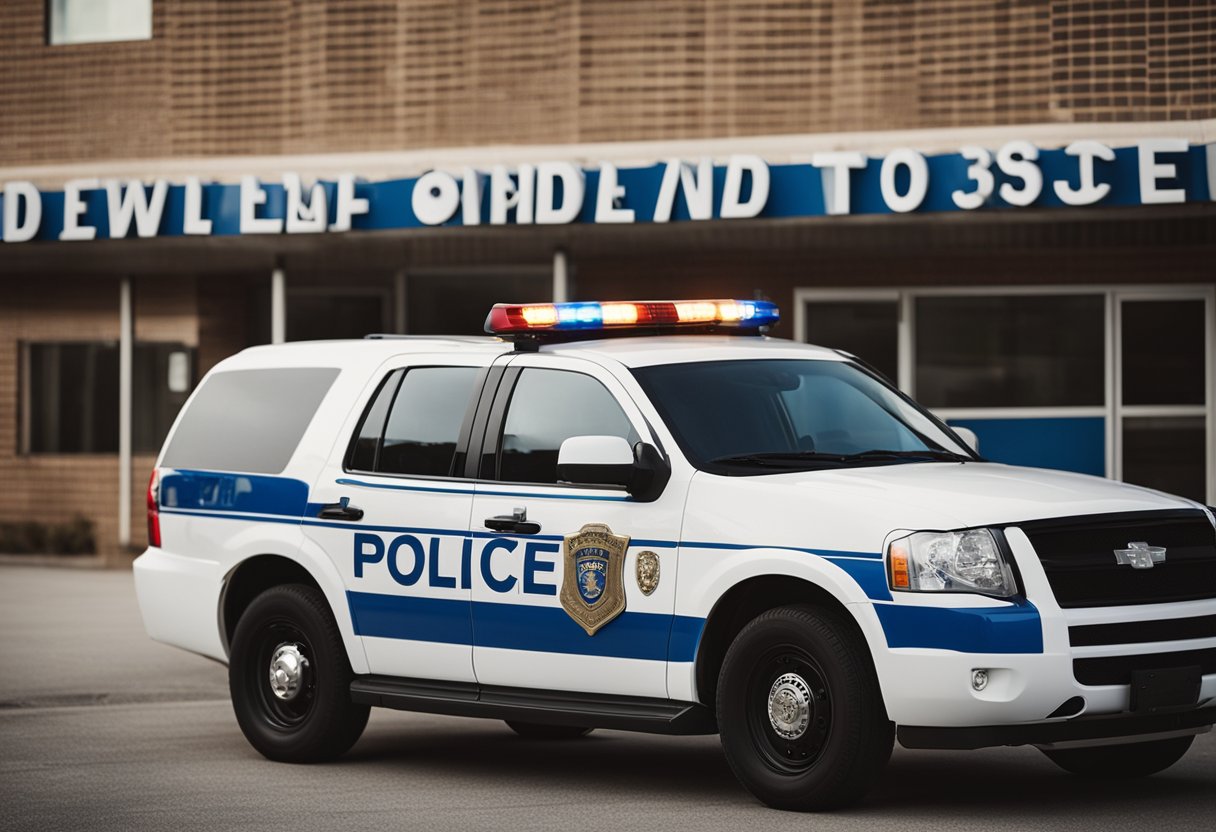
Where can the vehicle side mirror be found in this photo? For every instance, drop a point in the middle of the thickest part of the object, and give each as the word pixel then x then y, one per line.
pixel 968 436
pixel 609 461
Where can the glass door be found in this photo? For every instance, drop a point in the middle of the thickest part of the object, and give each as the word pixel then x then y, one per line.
pixel 1163 393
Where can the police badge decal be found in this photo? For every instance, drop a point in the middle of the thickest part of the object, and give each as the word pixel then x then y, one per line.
pixel 593 589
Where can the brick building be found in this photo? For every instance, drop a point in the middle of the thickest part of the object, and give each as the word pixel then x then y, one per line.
pixel 1076 334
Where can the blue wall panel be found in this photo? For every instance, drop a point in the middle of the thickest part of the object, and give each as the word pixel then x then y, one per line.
pixel 1068 444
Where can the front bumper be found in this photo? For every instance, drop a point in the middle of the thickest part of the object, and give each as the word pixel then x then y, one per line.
pixel 1083 731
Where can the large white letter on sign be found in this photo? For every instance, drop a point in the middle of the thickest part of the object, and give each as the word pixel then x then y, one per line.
pixel 436 197
pixel 304 218
pixel 836 167
pixel 1016 159
pixel 573 189
pixel 732 189
pixel 1089 191
pixel 14 194
pixel 698 190
pixel 133 202
pixel 608 194
pixel 193 222
pixel 252 195
pixel 1151 170
pixel 73 207
pixel 978 171
pixel 470 197
pixel 918 182
pixel 346 206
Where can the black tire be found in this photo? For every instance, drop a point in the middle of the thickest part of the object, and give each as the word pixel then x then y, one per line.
pixel 319 722
pixel 845 738
pixel 539 731
pixel 1121 762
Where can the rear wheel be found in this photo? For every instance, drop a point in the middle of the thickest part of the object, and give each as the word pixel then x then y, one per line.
pixel 799 710
pixel 290 678
pixel 1139 759
pixel 539 731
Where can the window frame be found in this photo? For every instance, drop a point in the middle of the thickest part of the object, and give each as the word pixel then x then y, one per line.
pixel 1112 411
pixel 24 433
pixel 456 466
pixel 495 422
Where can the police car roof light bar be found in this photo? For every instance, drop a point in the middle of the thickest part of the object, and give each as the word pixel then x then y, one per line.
pixel 557 321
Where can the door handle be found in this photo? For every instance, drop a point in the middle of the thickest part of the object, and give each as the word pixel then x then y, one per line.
pixel 341 510
pixel 517 523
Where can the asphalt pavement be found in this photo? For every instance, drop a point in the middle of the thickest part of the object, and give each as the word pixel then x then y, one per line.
pixel 102 729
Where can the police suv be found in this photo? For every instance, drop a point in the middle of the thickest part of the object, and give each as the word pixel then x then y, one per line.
pixel 681 532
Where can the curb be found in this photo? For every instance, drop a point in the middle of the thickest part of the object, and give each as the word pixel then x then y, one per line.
pixel 59 561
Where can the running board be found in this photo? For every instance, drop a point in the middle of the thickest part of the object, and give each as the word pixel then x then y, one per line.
pixel 626 713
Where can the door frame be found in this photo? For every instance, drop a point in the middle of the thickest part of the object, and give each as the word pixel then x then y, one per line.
pixel 1112 410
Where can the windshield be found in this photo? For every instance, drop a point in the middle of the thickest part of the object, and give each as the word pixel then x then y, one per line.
pixel 753 416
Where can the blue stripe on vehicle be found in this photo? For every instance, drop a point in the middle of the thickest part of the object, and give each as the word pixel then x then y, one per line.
pixel 481 492
pixel 632 635
pixel 1011 629
pixel 242 493
pixel 823 553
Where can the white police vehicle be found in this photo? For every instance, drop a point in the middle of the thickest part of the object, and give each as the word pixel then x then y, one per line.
pixel 674 533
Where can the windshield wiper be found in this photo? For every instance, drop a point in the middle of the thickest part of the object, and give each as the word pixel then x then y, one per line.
pixel 785 459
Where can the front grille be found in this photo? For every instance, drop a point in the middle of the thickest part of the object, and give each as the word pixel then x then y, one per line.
pixel 1140 632
pixel 1078 555
pixel 1117 670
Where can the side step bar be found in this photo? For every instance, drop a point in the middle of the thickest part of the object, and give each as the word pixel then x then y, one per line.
pixel 626 713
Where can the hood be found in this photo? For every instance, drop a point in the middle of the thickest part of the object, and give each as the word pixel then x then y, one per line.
pixel 854 508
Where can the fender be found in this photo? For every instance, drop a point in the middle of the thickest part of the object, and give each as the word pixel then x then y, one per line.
pixel 290 542
pixel 708 574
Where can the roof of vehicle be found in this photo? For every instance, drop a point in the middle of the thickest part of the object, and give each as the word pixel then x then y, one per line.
pixel 632 351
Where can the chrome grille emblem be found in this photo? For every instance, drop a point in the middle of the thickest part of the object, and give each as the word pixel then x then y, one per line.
pixel 1140 555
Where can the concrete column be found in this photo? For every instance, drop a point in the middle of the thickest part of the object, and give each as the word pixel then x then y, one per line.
pixel 561 277
pixel 126 351
pixel 278 306
pixel 399 302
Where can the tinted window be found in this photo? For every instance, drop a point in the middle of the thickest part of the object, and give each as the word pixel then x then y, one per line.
pixel 548 407
pixel 71 392
pixel 421 434
pixel 367 438
pixel 867 329
pixel 1163 352
pixel 248 420
pixel 803 413
pixel 1011 351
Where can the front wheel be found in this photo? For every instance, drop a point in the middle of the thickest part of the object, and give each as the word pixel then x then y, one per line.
pixel 800 713
pixel 1114 762
pixel 290 678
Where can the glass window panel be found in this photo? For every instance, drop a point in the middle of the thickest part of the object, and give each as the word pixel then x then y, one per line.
pixel 1163 352
pixel 98 21
pixel 1168 454
pixel 455 304
pixel 423 428
pixel 548 407
pixel 73 395
pixel 1013 351
pixel 321 317
pixel 867 329
pixel 248 420
pixel 367 437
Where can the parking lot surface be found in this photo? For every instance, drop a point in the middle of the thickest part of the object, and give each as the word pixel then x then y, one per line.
pixel 102 729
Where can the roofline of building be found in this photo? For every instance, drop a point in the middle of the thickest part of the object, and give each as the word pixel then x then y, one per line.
pixel 793 148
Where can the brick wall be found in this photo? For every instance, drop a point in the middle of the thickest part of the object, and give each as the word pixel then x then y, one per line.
pixel 51 488
pixel 291 76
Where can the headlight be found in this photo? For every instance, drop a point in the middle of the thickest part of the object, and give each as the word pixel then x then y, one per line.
pixel 967 561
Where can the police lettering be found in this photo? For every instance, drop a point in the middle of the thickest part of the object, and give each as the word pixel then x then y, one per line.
pixel 407 558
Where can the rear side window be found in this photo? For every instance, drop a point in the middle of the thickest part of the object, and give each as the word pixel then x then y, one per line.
pixel 248 420
pixel 413 423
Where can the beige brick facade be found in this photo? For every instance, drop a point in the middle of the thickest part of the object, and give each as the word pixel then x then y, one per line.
pixel 300 76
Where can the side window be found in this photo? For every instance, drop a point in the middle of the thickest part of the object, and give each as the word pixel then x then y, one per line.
pixel 366 447
pixel 424 421
pixel 547 407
